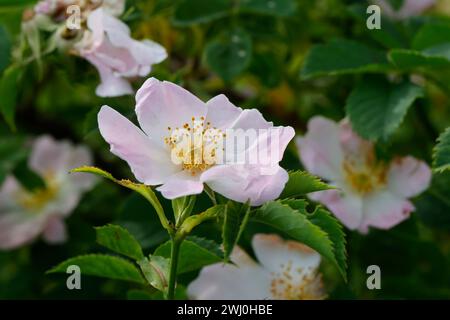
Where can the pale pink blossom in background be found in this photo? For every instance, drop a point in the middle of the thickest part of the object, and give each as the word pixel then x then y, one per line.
pixel 24 215
pixel 164 108
pixel 51 7
pixel 409 8
pixel 287 270
pixel 108 45
pixel 101 38
pixel 369 193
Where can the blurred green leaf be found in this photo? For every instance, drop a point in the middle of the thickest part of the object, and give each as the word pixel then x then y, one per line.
pixel 376 107
pixel 441 153
pixel 391 35
pixel 342 56
pixel 135 294
pixel 291 218
pixel 235 220
pixel 280 8
pixel 102 266
pixel 156 271
pixel 229 54
pixel 431 35
pixel 12 153
pixel 17 2
pixel 433 207
pixel 411 59
pixel 189 12
pixel 266 67
pixel 119 240
pixel 9 92
pixel 195 253
pixel 301 183
pixel 5 48
pixel 260 26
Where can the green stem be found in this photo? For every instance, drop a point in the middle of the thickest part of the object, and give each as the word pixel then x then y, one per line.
pixel 211 194
pixel 174 255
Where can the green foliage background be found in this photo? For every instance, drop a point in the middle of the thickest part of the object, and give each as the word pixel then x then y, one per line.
pixel 299 59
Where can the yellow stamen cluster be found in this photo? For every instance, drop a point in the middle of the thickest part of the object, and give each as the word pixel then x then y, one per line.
pixel 296 284
pixel 195 146
pixel 367 175
pixel 36 200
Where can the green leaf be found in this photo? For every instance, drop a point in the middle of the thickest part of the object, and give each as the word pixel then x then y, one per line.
pixel 280 8
pixel 433 206
pixel 17 2
pixel 195 253
pixel 376 108
pixel 291 218
pixel 5 48
pixel 12 154
pixel 9 92
pixel 156 271
pixel 328 223
pixel 142 189
pixel 431 49
pixel 135 294
pixel 119 240
pixel 430 35
pixel 267 68
pixel 301 183
pixel 235 220
pixel 182 207
pixel 189 12
pixel 193 221
pixel 441 154
pixel 102 266
pixel 229 54
pixel 391 35
pixel 343 57
pixel 412 59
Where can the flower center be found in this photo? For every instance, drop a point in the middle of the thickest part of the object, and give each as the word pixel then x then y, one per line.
pixel 196 146
pixel 298 284
pixel 34 201
pixel 365 175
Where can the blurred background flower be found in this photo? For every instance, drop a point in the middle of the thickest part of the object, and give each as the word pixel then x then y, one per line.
pixel 292 61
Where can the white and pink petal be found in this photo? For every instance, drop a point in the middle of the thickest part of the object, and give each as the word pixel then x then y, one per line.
pixel 408 177
pixel 149 162
pixel 320 149
pixel 161 105
pixel 384 210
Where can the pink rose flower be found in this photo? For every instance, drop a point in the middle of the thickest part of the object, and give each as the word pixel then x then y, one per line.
pixel 287 270
pixel 24 215
pixel 165 112
pixel 104 40
pixel 369 192
pixel 109 47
